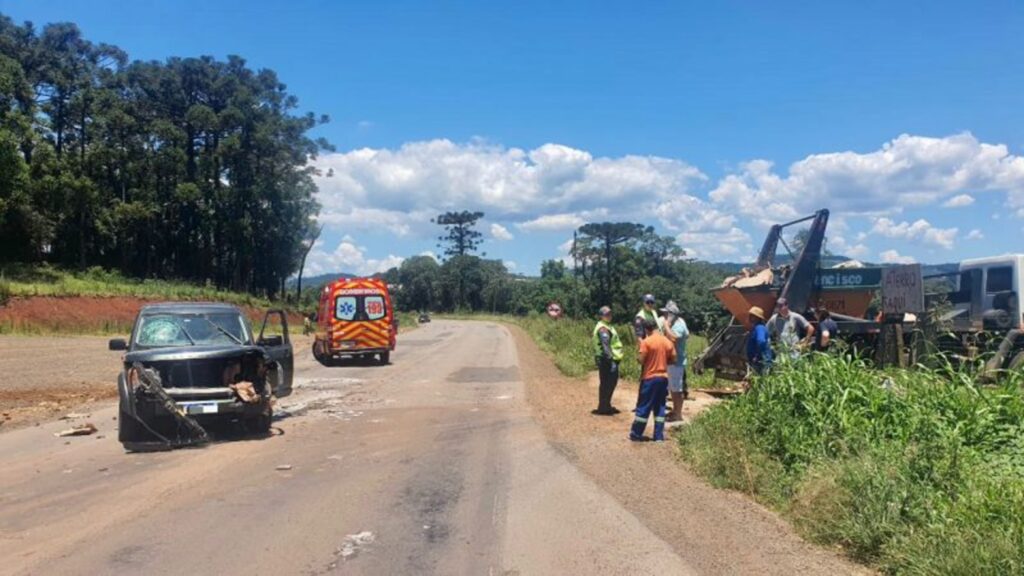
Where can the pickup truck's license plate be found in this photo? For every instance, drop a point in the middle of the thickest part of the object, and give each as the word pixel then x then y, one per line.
pixel 348 343
pixel 202 408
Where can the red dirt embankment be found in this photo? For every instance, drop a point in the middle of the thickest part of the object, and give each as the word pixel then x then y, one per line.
pixel 88 314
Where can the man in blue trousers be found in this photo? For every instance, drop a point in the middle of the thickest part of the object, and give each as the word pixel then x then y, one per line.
pixel 656 353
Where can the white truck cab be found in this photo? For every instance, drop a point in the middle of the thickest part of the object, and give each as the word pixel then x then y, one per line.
pixel 999 279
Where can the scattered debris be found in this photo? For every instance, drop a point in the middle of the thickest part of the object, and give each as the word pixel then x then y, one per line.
pixel 284 467
pixel 353 542
pixel 74 416
pixel 246 392
pixel 334 457
pixel 103 469
pixel 503 397
pixel 82 430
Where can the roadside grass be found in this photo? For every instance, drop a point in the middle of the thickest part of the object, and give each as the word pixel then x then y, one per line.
pixel 911 472
pixel 567 342
pixel 44 280
pixel 100 327
pixel 407 321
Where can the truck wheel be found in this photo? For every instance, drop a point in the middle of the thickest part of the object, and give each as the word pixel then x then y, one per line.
pixel 261 424
pixel 323 359
pixel 130 432
pixel 385 358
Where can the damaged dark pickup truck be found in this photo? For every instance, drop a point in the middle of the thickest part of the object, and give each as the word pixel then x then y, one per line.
pixel 189 365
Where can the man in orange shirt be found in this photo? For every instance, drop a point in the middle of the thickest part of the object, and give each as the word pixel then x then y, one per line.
pixel 656 353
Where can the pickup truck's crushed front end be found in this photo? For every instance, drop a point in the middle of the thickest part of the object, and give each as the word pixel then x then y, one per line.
pixel 170 396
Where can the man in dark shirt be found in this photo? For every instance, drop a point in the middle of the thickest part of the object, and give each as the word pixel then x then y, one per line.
pixel 826 332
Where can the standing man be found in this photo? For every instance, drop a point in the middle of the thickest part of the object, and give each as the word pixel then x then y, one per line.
pixel 791 330
pixel 646 312
pixel 656 353
pixel 678 334
pixel 826 332
pixel 759 348
pixel 607 353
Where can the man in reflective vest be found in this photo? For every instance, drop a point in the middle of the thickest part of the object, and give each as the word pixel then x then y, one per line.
pixel 607 353
pixel 647 312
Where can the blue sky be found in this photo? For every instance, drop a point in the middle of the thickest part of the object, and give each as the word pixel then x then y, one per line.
pixel 707 120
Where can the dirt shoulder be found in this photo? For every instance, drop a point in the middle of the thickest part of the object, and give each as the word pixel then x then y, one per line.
pixel 716 531
pixel 43 378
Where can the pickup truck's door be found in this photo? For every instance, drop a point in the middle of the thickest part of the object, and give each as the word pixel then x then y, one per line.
pixel 274 339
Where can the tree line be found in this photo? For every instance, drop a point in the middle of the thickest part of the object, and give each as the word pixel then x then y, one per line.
pixel 191 168
pixel 612 263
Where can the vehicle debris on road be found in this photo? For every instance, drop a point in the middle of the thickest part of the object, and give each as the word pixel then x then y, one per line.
pixel 82 430
pixel 353 542
pixel 74 416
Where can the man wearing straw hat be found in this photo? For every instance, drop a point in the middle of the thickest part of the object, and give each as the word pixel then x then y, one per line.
pixel 759 346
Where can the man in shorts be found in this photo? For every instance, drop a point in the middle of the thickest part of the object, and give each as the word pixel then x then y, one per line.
pixel 678 334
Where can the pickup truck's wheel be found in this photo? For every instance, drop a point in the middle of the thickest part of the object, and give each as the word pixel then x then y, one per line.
pixel 129 431
pixel 261 424
pixel 385 358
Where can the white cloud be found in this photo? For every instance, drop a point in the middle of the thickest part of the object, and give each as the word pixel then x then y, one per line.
pixel 959 201
pixel 374 187
pixel 838 245
pixel 350 258
pixel 711 245
pixel 510 265
pixel 905 172
pixel 975 235
pixel 553 222
pixel 894 257
pixel 857 251
pixel 921 230
pixel 499 232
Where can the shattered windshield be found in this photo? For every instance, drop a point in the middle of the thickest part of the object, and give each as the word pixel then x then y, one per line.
pixel 159 330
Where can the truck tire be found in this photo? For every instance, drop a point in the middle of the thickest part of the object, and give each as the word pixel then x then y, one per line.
pixel 320 357
pixel 385 358
pixel 260 424
pixel 130 433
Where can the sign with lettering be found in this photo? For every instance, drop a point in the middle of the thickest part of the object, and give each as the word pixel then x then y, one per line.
pixel 902 290
pixel 848 278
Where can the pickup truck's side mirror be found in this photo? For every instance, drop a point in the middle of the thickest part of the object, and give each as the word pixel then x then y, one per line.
pixel 117 344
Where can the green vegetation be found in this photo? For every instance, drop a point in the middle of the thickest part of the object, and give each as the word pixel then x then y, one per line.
pixel 614 264
pixel 192 168
pixel 913 472
pixel 44 280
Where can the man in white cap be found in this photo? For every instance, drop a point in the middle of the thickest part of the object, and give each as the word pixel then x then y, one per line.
pixel 678 333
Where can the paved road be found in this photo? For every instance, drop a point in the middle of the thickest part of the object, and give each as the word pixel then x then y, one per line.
pixel 431 465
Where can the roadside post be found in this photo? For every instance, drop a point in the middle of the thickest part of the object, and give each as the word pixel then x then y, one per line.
pixel 902 294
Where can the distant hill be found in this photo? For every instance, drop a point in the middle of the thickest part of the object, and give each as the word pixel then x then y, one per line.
pixel 317 281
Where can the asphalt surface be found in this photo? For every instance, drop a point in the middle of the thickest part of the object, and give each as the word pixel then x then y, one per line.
pixel 431 465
